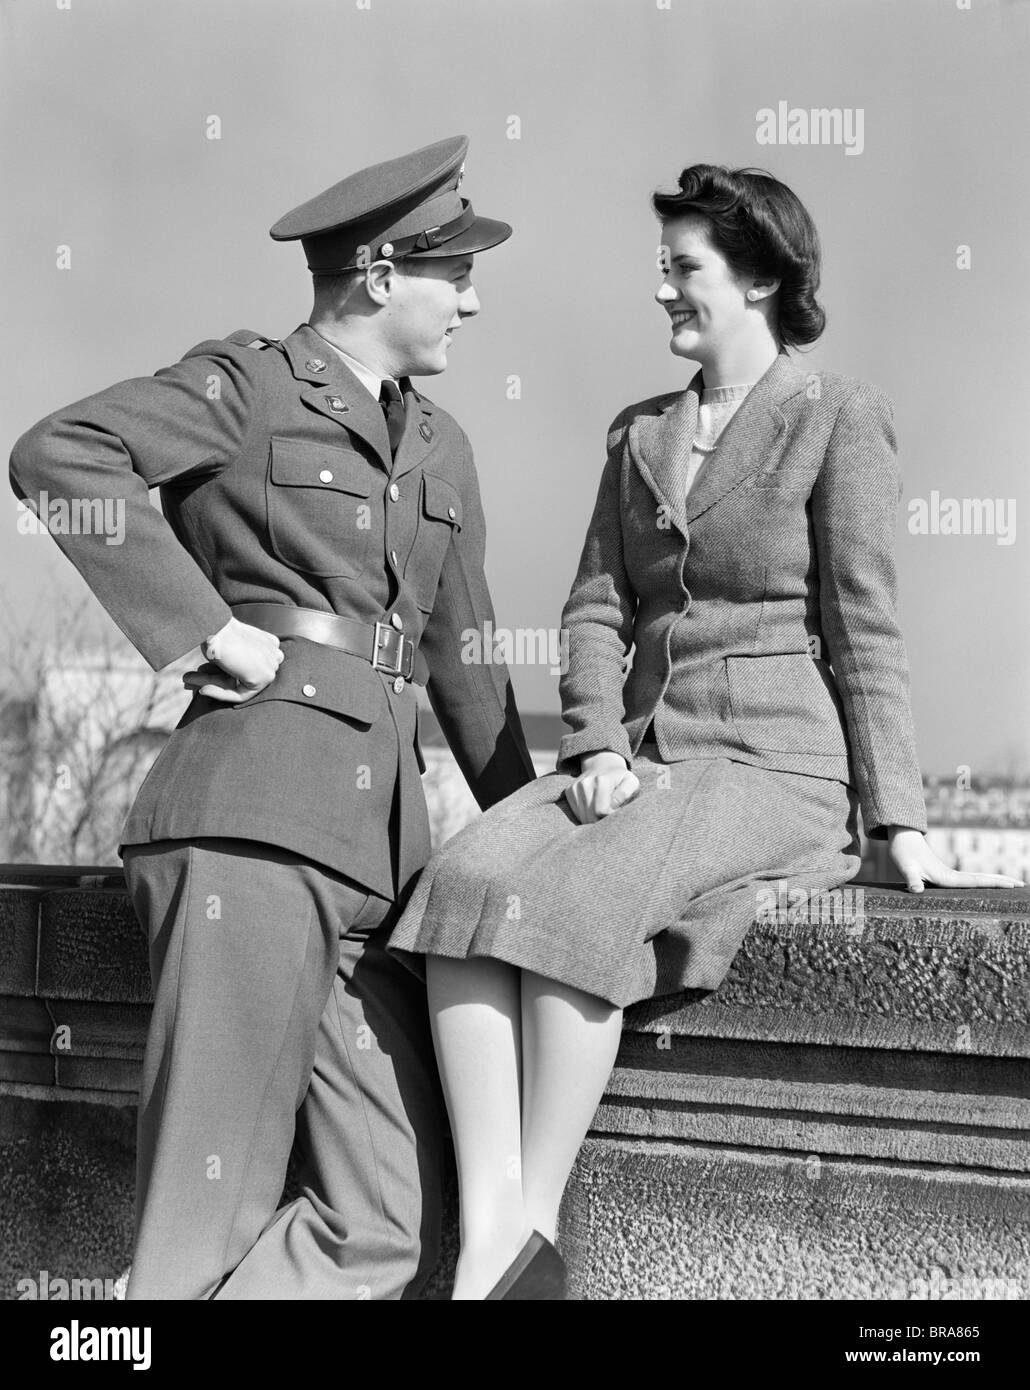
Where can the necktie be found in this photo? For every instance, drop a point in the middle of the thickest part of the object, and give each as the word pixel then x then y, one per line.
pixel 393 408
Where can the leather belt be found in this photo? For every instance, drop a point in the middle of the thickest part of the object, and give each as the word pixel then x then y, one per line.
pixel 379 644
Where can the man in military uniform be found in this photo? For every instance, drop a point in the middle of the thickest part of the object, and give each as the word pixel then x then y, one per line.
pixel 322 541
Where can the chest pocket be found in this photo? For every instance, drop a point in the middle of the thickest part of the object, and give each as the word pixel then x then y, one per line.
pixel 439 520
pixel 319 514
pixel 797 468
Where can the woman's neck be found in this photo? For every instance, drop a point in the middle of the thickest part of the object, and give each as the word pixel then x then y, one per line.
pixel 742 363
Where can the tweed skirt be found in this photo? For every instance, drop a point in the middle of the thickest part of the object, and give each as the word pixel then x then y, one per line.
pixel 655 898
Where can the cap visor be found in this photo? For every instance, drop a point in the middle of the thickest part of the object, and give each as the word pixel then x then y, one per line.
pixel 483 233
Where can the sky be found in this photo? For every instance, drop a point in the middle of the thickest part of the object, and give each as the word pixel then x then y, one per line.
pixel 576 110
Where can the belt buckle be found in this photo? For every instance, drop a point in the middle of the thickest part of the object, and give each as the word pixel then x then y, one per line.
pixel 403 663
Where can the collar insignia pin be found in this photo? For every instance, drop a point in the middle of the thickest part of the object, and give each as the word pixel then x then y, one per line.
pixel 335 403
pixel 314 364
pixel 426 431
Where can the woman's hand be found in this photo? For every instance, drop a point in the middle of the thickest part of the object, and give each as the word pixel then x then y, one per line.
pixel 604 784
pixel 919 865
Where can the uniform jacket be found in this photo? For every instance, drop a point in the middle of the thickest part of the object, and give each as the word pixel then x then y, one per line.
pixel 278 486
pixel 762 606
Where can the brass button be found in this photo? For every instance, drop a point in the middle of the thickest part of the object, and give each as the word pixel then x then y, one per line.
pixel 398 685
pixel 397 621
pixel 451 513
pixel 393 556
pixel 309 690
pixel 325 476
pixel 395 492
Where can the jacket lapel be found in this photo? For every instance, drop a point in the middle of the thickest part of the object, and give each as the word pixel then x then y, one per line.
pixel 660 446
pixel 334 391
pixel 661 443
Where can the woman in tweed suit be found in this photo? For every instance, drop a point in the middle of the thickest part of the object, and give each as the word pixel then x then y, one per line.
pixel 742 542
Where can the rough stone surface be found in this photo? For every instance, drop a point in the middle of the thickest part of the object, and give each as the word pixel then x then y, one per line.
pixel 92 947
pixel 67 1193
pixel 644 1221
pixel 19 918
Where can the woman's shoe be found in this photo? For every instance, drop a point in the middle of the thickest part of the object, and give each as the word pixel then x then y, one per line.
pixel 537 1272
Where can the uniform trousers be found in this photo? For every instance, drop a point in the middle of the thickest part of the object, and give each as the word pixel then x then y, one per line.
pixel 279 1020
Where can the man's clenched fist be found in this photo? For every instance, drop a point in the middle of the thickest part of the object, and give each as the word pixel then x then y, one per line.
pixel 243 659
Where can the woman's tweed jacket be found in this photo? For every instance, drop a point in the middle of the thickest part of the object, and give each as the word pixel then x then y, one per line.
pixel 762 607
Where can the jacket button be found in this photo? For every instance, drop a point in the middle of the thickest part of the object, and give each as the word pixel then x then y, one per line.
pixel 393 556
pixel 325 476
pixel 395 492
pixel 451 513
pixel 397 621
pixel 309 690
pixel 398 685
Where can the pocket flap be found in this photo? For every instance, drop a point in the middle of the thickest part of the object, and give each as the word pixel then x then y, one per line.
pixel 441 499
pixel 297 463
pixel 326 679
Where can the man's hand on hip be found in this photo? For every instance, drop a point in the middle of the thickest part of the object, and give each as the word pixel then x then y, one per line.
pixel 242 660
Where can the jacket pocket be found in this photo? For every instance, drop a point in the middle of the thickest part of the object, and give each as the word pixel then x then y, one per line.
pixel 319 517
pixel 785 703
pixel 439 521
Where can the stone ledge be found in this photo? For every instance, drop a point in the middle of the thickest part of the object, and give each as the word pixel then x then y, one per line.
pixel 943 973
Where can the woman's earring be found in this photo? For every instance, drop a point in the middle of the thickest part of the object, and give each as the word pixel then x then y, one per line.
pixel 752 295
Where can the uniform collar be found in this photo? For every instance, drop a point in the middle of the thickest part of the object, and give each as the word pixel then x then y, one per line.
pixel 334 389
pixel 371 380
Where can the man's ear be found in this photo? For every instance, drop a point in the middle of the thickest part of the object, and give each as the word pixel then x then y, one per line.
pixel 379 279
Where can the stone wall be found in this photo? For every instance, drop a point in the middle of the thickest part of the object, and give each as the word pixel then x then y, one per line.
pixel 847 1117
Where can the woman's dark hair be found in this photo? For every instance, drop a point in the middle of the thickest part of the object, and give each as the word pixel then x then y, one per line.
pixel 762 229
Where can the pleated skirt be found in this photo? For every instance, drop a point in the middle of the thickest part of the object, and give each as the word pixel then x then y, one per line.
pixel 653 899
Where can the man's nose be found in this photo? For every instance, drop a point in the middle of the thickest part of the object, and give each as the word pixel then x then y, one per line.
pixel 665 293
pixel 469 304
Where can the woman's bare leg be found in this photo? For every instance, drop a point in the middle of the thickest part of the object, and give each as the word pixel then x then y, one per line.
pixel 569 1042
pixel 523 1062
pixel 475 1011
